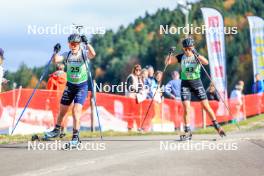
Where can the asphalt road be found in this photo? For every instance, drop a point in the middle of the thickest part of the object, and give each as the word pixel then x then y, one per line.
pixel 238 154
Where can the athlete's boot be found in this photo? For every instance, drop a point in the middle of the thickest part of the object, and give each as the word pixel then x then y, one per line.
pixel 218 128
pixel 187 134
pixel 53 134
pixel 75 140
pixel 62 133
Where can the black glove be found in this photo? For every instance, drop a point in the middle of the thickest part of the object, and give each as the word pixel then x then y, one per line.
pixel 84 39
pixel 57 48
pixel 194 51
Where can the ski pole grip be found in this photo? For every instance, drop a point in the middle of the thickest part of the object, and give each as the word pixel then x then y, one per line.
pixel 57 48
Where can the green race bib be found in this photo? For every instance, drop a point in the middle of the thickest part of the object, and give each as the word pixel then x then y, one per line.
pixel 76 69
pixel 76 73
pixel 190 69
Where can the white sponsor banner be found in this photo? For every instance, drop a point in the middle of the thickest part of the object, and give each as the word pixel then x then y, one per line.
pixel 33 121
pixel 256 27
pixel 216 52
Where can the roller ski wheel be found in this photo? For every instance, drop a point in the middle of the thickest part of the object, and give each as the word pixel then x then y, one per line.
pixel 36 137
pixel 221 132
pixel 47 135
pixel 71 145
pixel 62 135
pixel 186 136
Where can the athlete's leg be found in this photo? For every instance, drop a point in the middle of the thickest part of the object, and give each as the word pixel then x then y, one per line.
pixel 208 109
pixel 66 100
pixel 186 101
pixel 57 130
pixel 77 112
pixel 199 90
pixel 212 116
pixel 187 112
pixel 63 110
pixel 79 99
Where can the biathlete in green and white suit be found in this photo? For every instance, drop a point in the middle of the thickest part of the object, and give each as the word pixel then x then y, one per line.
pixel 77 83
pixel 190 75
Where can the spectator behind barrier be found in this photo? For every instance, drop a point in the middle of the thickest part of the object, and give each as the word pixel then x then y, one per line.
pixel 242 84
pixel 2 79
pixel 58 79
pixel 236 98
pixel 134 83
pixel 158 78
pixel 258 85
pixel 173 87
pixel 211 93
pixel 151 82
pixel 258 88
pixel 145 89
pixel 134 87
pixel 144 75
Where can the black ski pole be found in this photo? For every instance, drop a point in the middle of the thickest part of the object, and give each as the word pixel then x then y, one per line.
pixel 209 77
pixel 34 91
pixel 172 49
pixel 89 72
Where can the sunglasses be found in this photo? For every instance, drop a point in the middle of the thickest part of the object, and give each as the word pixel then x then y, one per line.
pixel 74 43
pixel 137 69
pixel 187 49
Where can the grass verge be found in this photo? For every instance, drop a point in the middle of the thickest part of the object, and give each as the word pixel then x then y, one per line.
pixel 251 123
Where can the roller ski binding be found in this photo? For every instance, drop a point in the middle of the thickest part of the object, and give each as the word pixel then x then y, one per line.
pixel 187 134
pixel 218 128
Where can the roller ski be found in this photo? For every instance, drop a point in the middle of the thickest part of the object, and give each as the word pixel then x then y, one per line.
pixel 36 137
pixel 187 134
pixel 56 132
pixel 218 128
